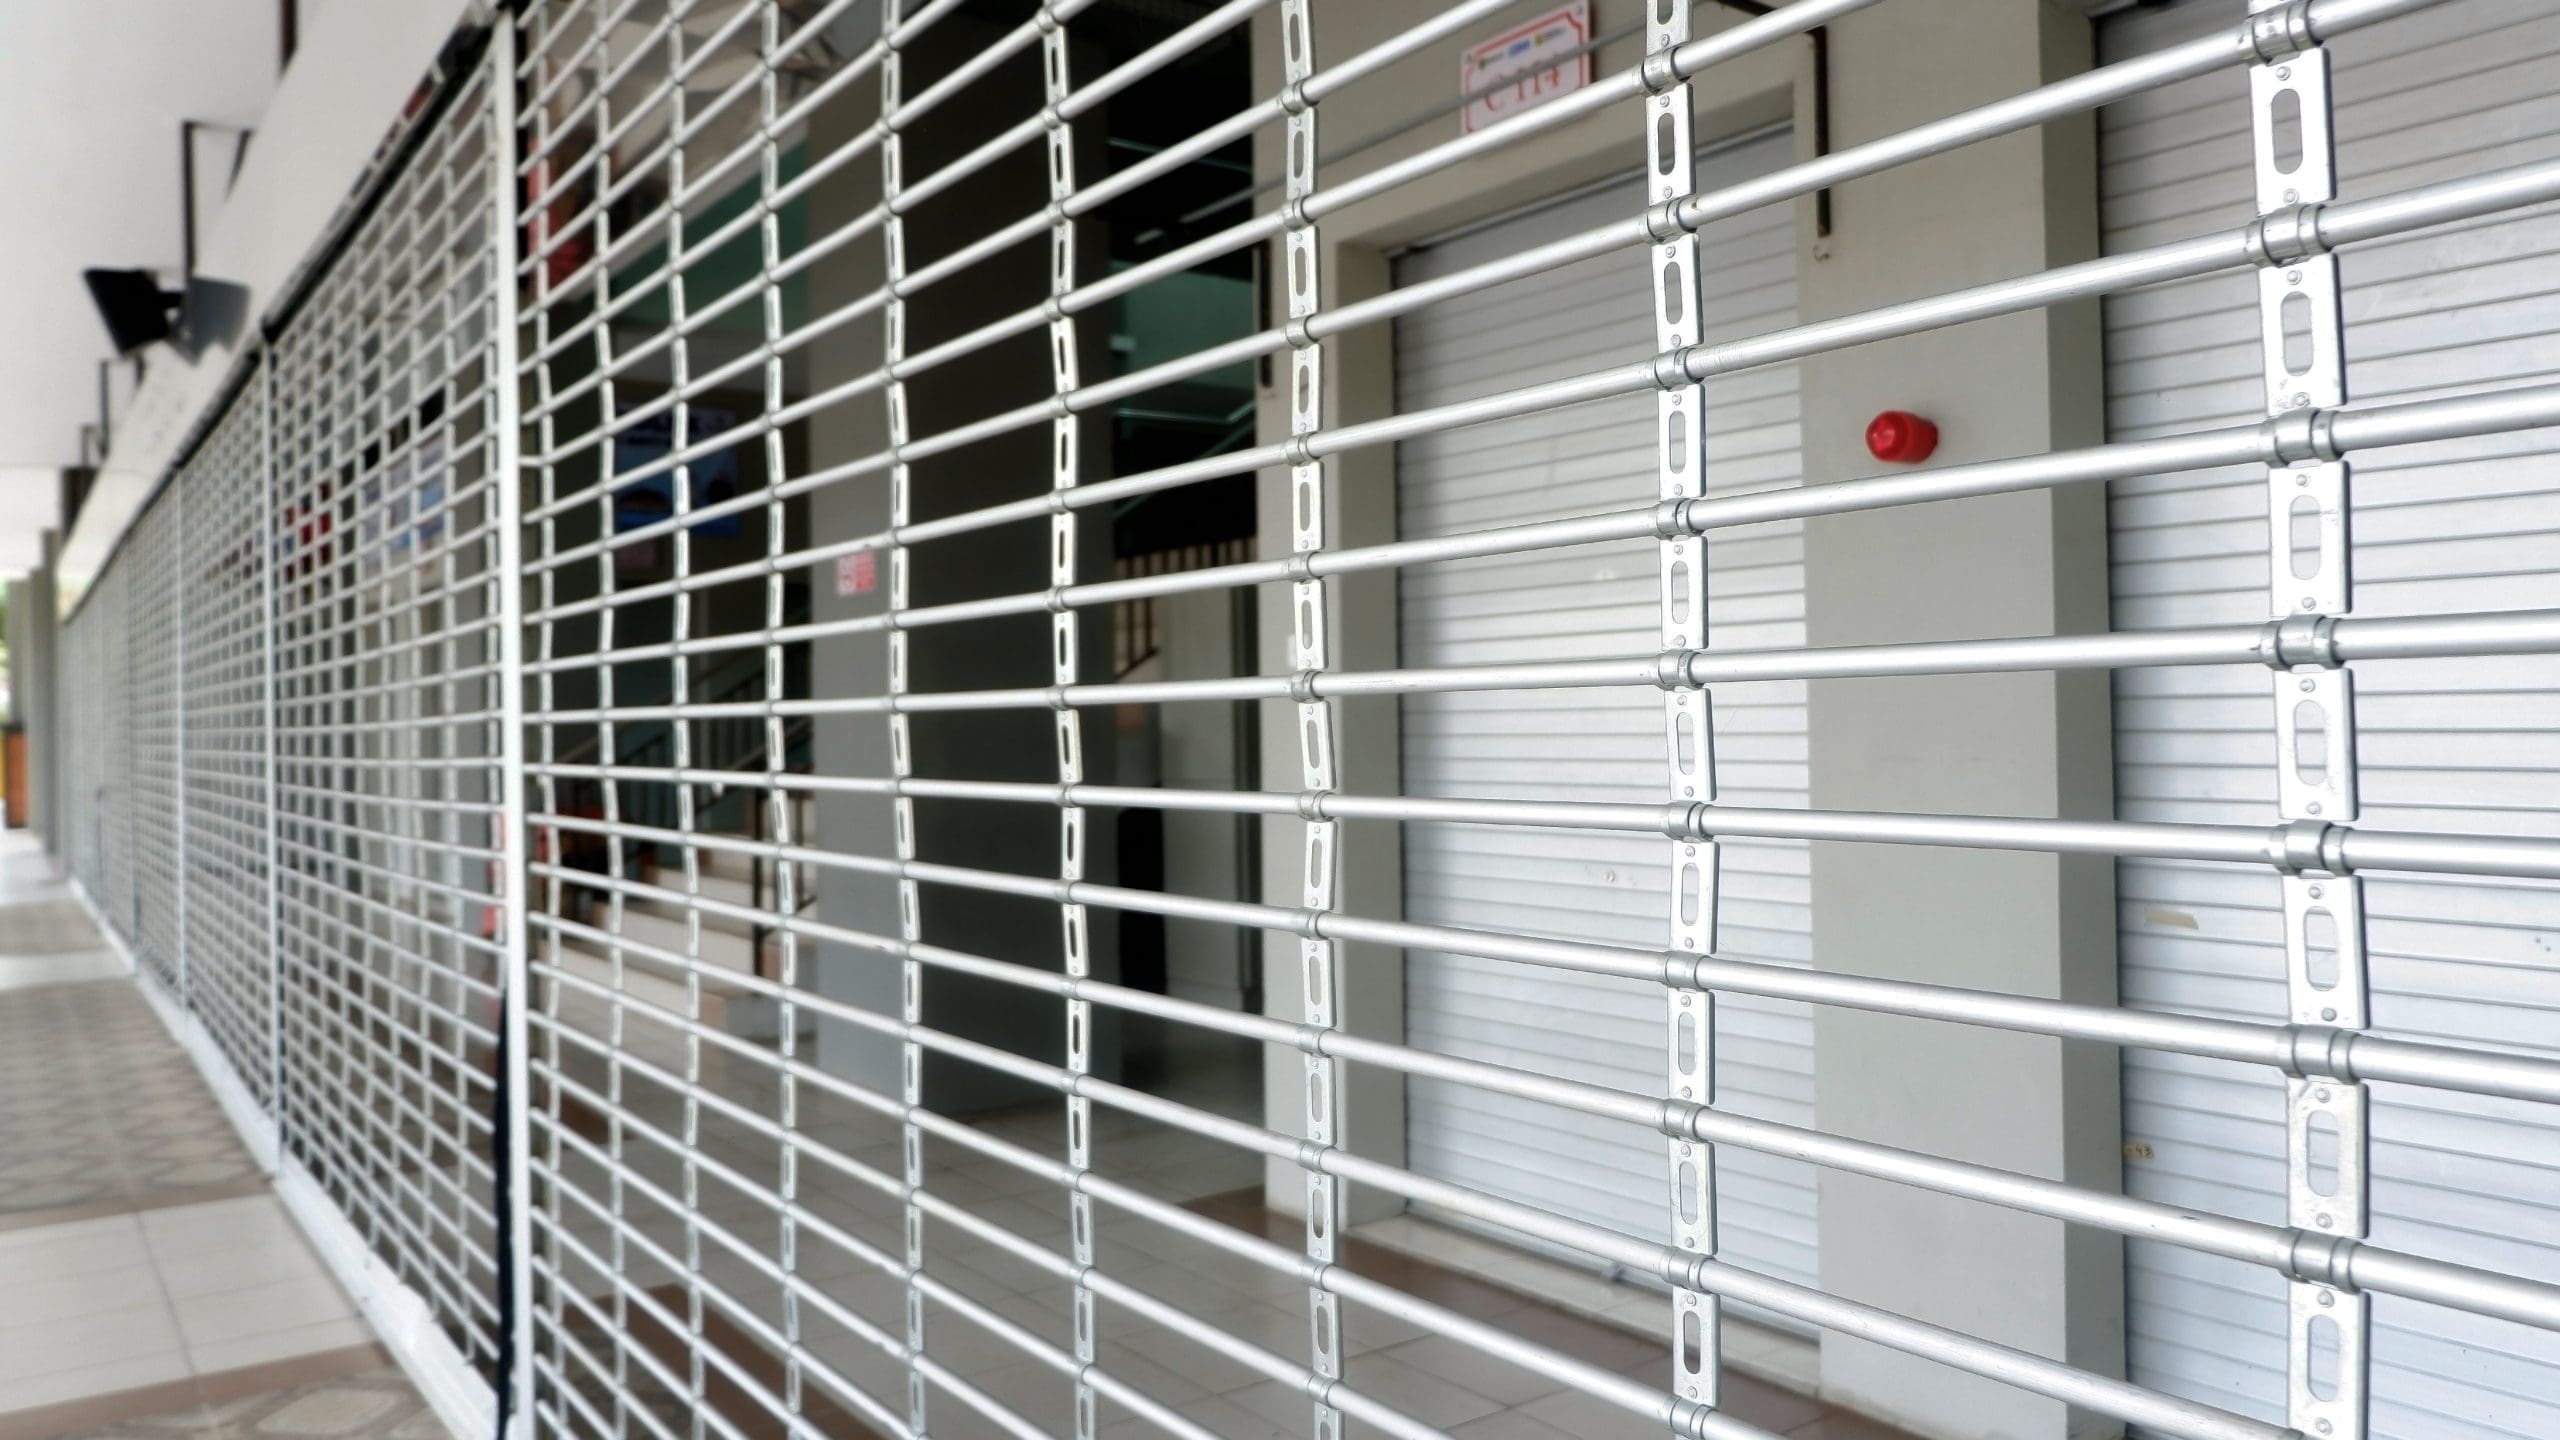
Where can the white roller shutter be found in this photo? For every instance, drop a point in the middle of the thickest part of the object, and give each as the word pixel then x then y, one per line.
pixel 1597 745
pixel 2453 744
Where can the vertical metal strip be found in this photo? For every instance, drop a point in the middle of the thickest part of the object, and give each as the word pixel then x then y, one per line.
pixel 910 911
pixel 1688 716
pixel 1073 935
pixel 608 752
pixel 777 760
pixel 553 1321
pixel 681 727
pixel 176 687
pixel 511 834
pixel 1311 626
pixel 2302 336
pixel 272 545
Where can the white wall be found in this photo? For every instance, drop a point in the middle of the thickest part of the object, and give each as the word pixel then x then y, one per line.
pixel 90 99
pixel 357 66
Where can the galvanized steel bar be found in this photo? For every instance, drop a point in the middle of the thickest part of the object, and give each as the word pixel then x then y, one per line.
pixel 2312 1050
pixel 2328 1353
pixel 2345 430
pixel 401 714
pixel 1312 628
pixel 893 340
pixel 1693 59
pixel 1066 668
pixel 2339 224
pixel 1688 719
pixel 2517 632
pixel 2043 1376
pixel 510 881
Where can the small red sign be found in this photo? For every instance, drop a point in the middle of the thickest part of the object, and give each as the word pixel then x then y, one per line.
pixel 858 573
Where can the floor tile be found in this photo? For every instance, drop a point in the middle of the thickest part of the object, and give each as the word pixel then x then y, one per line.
pixel 1219 1417
pixel 1509 1425
pixel 67 1297
pixel 353 1398
pixel 133 1333
pixel 1497 1379
pixel 60 1384
pixel 1590 1341
pixel 215 1357
pixel 262 1309
pixel 241 1267
pixel 1586 1417
pixel 1418 1393
pixel 29 971
pixel 223 1225
pixel 48 1253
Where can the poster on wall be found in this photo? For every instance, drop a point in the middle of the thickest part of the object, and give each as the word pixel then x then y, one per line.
pixel 712 477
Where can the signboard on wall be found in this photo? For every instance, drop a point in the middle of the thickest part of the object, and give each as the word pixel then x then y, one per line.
pixel 1526 65
pixel 711 478
pixel 858 573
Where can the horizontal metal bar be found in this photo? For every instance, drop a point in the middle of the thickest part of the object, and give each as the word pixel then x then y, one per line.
pixel 2269 1246
pixel 2362 220
pixel 2448 636
pixel 1989 1359
pixel 2309 1050
pixel 1947 1346
pixel 2292 1251
pixel 1687 61
pixel 1519 126
pixel 2348 430
pixel 801 1289
pixel 2226 48
pixel 1593 1380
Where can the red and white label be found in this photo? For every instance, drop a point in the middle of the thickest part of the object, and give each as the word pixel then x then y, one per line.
pixel 1523 67
pixel 858 573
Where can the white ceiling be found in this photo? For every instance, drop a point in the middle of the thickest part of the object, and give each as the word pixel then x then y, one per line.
pixel 91 95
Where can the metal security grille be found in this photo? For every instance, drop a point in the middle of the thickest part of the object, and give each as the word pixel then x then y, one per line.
pixel 106 751
pixel 2458 523
pixel 637 649
pixel 223 567
pixel 156 740
pixel 1553 604
pixel 389 708
pixel 94 697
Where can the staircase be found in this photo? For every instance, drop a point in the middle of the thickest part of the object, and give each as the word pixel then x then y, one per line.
pixel 730 947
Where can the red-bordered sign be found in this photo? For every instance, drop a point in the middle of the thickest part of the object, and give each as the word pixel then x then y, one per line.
pixel 1528 56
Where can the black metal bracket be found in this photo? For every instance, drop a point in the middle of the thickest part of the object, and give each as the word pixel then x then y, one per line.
pixel 1820 35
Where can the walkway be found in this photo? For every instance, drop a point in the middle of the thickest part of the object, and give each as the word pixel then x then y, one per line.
pixel 155 1288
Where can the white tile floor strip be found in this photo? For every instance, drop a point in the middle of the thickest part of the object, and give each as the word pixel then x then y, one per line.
pixel 143 1296
pixel 96 1306
pixel 162 1291
pixel 27 972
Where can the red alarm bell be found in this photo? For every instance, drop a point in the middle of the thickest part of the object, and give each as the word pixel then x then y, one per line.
pixel 1899 437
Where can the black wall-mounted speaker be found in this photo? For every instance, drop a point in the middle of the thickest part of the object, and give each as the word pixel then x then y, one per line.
pixel 136 309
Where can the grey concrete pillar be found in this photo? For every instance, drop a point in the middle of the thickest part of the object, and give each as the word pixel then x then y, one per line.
pixel 1004 653
pixel 2026 745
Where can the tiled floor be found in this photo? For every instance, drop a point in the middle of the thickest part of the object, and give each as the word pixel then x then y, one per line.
pixel 146 1269
pixel 345 1395
pixel 642 1327
pixel 144 1301
pixel 98 1107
